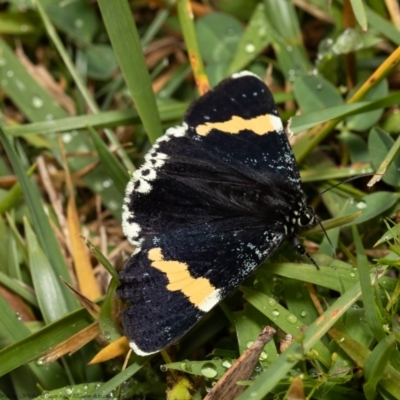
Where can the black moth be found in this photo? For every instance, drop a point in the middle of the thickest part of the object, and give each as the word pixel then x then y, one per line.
pixel 214 198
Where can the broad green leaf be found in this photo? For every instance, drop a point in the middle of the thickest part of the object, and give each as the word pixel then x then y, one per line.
pixel 254 40
pixel 315 93
pixel 373 205
pixel 363 121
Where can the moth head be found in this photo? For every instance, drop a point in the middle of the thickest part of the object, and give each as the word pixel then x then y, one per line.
pixel 306 217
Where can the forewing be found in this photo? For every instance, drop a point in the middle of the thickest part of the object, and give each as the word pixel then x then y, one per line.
pixel 169 190
pixel 179 276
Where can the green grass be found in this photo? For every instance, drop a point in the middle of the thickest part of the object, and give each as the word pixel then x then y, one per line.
pixel 334 73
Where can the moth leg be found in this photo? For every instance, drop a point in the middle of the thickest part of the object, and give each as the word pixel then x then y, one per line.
pixel 302 251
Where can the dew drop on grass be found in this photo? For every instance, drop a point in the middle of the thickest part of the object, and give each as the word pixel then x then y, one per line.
pixel 226 362
pixel 250 48
pixel 37 102
pixel 208 370
pixel 291 318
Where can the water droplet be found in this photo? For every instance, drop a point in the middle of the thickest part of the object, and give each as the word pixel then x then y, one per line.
pixel 18 315
pixel 69 391
pixel 78 23
pixel 313 373
pixel 208 370
pixel 275 313
pixel 186 365
pixel 349 40
pixel 24 28
pixel 107 183
pixel 163 368
pixel 10 73
pixel 263 356
pixel 341 340
pixel 250 48
pixel 291 318
pixel 49 117
pixel 37 102
pixel 262 31
pixel 107 335
pixel 113 205
pixel 319 86
pixel 289 48
pixel 66 137
pixel 361 205
pixel 271 302
pixel 352 275
pixel 226 362
pixel 249 344
pixel 303 313
pixel 39 362
pixel 20 85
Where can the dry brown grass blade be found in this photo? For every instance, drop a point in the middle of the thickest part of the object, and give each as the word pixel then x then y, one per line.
pixel 114 349
pixel 83 267
pixel 92 308
pixel 72 344
pixel 226 387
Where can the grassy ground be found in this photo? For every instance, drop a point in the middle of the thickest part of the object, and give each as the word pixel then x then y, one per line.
pixel 80 107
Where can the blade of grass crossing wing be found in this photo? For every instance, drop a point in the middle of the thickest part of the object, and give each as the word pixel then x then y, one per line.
pixel 125 40
pixel 44 232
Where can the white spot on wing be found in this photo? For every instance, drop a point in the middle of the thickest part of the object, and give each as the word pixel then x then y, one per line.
pixel 276 123
pixel 177 131
pixel 139 352
pixel 210 301
pixel 131 230
pixel 241 74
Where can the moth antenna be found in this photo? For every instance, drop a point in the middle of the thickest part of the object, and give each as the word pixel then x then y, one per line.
pixel 326 235
pixel 352 178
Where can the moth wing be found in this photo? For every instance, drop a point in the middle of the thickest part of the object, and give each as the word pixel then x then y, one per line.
pixel 177 277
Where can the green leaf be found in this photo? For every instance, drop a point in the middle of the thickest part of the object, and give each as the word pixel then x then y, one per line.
pixel 268 379
pixel 373 205
pixel 375 364
pixel 76 18
pixel 315 93
pixel 101 61
pixel 125 40
pixel 359 12
pixel 106 320
pixel 45 281
pixel 44 231
pixel 380 143
pixel 372 313
pixel 363 121
pixel 254 40
pixel 114 169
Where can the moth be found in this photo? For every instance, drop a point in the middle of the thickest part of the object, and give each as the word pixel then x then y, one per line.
pixel 213 199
